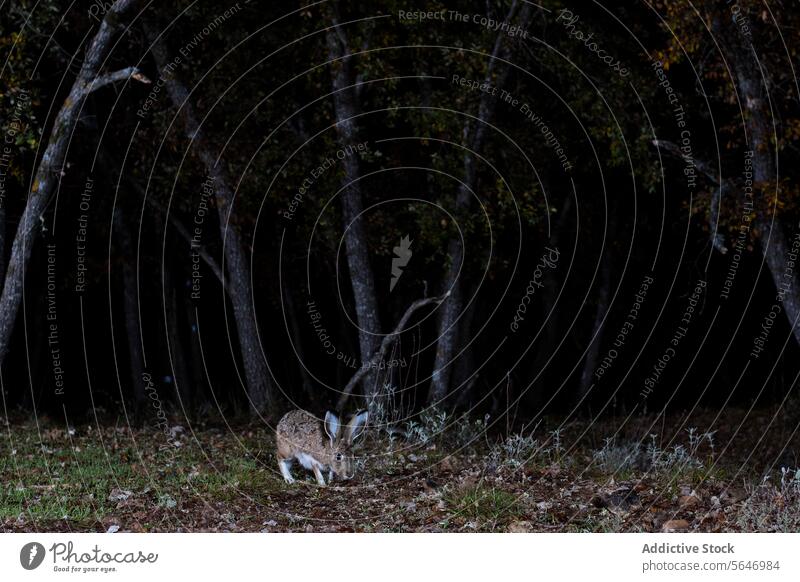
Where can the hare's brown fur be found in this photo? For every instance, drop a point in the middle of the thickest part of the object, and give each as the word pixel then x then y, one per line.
pixel 299 429
pixel 317 445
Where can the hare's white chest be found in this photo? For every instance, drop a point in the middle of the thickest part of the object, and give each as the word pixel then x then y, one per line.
pixel 308 461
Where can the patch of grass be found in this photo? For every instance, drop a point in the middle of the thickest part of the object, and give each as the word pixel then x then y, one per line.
pixel 243 476
pixel 50 483
pixel 53 475
pixel 604 522
pixel 483 505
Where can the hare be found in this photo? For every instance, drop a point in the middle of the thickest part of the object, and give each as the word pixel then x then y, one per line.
pixel 318 445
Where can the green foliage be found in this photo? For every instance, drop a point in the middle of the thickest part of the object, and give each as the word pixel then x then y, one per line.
pixel 483 504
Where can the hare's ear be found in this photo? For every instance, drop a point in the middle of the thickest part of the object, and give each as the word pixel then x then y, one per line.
pixel 331 425
pixel 356 426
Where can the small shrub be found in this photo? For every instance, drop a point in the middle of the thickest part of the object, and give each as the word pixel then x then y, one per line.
pixel 467 432
pixel 431 425
pixel 771 508
pixel 515 451
pixel 613 458
pixel 679 458
pixel 556 449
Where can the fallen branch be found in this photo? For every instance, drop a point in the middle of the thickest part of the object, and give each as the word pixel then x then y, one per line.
pixel 387 342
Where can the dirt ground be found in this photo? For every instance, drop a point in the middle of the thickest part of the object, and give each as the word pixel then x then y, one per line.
pixel 442 475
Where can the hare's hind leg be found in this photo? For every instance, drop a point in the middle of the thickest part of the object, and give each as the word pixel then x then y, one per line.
pixel 283 465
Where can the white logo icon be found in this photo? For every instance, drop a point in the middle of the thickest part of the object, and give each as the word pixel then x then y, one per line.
pixel 402 256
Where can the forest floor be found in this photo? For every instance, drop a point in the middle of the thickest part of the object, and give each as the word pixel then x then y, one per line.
pixel 443 475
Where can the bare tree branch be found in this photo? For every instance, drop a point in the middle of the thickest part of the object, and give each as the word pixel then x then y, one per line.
pixel 108 78
pixel 387 342
pixel 675 151
pixel 717 239
pixel 184 232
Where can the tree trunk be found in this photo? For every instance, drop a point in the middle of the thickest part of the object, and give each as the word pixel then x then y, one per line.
pixel 176 347
pixel 464 376
pixel 753 93
pixel 596 339
pixel 2 238
pixel 257 375
pixel 297 338
pixel 448 320
pixel 198 371
pixel 37 367
pixel 345 102
pixel 50 167
pixel 775 250
pixel 130 307
pixel 552 317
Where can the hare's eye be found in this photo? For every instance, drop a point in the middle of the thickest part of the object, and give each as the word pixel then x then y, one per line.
pixel 339 456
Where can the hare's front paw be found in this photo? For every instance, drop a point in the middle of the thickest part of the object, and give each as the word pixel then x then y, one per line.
pixel 284 467
pixel 318 475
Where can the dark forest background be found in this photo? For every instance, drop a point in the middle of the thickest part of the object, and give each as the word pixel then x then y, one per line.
pixel 590 210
